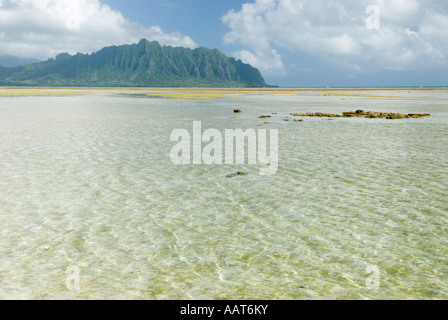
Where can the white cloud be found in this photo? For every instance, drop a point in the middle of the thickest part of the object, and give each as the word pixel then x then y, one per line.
pixel 412 33
pixel 270 61
pixel 44 28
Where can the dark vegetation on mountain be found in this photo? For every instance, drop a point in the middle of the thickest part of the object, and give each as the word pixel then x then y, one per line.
pixel 146 64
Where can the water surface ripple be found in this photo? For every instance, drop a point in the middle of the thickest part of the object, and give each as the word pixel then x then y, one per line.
pixel 87 181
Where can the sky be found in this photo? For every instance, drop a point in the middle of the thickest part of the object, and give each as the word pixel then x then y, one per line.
pixel 294 43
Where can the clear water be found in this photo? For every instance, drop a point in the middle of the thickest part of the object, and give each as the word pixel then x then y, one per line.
pixel 87 181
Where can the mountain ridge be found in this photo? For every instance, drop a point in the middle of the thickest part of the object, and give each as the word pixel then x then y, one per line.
pixel 146 64
pixel 9 61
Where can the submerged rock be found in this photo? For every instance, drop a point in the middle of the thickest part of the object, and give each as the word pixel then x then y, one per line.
pixel 393 116
pixel 317 114
pixel 362 113
pixel 418 115
pixel 237 174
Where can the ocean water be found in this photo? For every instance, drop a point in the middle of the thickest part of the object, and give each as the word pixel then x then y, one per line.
pixel 91 206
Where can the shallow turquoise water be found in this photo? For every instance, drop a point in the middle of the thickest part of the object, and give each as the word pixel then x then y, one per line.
pixel 87 181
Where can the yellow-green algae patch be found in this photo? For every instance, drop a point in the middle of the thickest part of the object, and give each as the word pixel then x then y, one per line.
pixel 191 95
pixel 371 96
pixel 35 92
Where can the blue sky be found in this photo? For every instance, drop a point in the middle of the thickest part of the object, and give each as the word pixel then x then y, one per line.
pixel 294 43
pixel 200 19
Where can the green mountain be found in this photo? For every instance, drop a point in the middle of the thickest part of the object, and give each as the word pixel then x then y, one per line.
pixel 146 64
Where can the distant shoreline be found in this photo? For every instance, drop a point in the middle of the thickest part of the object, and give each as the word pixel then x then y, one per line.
pixel 229 88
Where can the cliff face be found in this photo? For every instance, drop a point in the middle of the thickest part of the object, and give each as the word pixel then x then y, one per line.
pixel 144 64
